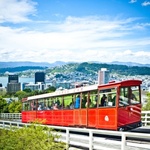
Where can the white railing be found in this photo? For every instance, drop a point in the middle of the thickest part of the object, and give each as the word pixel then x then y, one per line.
pixel 145 118
pixel 17 116
pixel 94 139
pixel 13 116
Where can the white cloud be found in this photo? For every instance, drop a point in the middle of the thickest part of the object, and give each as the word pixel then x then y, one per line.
pixel 75 39
pixel 145 3
pixel 16 10
pixel 132 56
pixel 133 1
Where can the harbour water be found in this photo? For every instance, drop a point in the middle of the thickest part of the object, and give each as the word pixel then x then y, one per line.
pixel 4 80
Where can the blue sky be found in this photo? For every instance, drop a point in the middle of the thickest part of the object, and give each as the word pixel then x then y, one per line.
pixel 75 30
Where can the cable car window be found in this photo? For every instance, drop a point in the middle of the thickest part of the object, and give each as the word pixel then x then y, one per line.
pixel 32 105
pixel 84 100
pixel 25 106
pixel 124 96
pixel 91 99
pixel 50 103
pixel 107 97
pixel 134 95
pixel 77 101
pixel 68 102
pixel 57 103
pixel 129 96
pixel 40 105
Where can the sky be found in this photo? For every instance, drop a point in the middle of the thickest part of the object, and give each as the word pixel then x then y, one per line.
pixel 75 30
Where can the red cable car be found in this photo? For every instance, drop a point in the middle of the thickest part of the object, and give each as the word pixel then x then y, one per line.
pixel 112 106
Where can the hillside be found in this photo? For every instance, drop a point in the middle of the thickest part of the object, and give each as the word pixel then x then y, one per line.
pixel 85 67
pixel 92 68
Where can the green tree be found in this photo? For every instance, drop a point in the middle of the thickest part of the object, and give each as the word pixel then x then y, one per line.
pixel 50 89
pixel 3 92
pixel 27 90
pixel 15 107
pixel 20 94
pixel 34 137
pixel 3 105
pixel 147 106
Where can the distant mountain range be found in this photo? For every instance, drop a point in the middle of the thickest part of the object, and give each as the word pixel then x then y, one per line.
pixel 28 63
pixel 130 64
pixel 60 63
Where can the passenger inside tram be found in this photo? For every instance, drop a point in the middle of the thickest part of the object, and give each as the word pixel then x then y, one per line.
pixel 55 107
pixel 33 106
pixel 104 100
pixel 77 102
pixel 58 102
pixel 39 107
pixel 71 105
pixel 132 95
pixel 84 100
pixel 89 104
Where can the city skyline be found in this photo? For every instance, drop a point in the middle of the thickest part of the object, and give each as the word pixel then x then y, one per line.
pixel 54 30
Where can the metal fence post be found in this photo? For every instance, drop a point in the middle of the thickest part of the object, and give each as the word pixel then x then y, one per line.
pixel 90 140
pixel 67 138
pixel 123 141
pixel 3 124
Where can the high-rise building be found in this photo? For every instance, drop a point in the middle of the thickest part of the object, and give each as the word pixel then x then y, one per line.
pixel 13 87
pixel 13 78
pixel 13 84
pixel 103 76
pixel 39 77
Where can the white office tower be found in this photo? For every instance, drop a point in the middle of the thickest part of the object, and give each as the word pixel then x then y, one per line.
pixel 103 76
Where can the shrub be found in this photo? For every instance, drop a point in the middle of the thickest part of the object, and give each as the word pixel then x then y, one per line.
pixel 34 137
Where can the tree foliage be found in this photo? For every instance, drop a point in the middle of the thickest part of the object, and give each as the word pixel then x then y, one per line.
pixel 27 90
pixel 20 94
pixel 34 137
pixel 3 105
pixel 15 107
pixel 147 106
